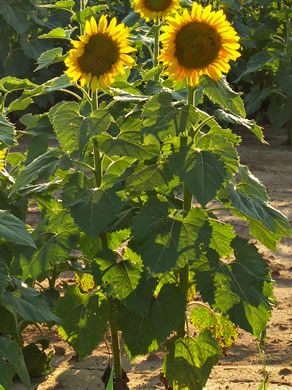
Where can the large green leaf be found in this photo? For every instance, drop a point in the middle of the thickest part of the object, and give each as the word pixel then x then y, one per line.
pixel 129 143
pixel 189 361
pixel 54 243
pixel 242 289
pixel 203 172
pixel 14 230
pixel 28 303
pixel 163 120
pixel 11 363
pixel 256 208
pixel 120 272
pixel 146 178
pixel 84 319
pixel 250 124
pixel 163 241
pixel 144 328
pixel 222 235
pixel 221 93
pixel 43 167
pixel 75 130
pixel 7 131
pixel 92 209
pixel 221 142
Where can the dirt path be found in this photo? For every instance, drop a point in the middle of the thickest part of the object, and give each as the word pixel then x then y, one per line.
pixel 242 368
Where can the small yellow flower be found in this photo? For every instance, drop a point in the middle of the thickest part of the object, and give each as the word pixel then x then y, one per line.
pixel 100 55
pixel 153 9
pixel 198 43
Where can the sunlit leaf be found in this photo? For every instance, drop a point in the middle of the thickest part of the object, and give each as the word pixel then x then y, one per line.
pixel 203 172
pixel 189 361
pixel 221 93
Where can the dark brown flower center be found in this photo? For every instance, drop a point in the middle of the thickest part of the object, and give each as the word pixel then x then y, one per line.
pixel 197 45
pixel 157 5
pixel 100 54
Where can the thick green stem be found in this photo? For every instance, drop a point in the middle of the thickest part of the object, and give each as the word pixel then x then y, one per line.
pixel 116 348
pixel 97 163
pixel 187 205
pixel 156 42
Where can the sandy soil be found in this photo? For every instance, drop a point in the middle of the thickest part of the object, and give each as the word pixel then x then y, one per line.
pixel 243 367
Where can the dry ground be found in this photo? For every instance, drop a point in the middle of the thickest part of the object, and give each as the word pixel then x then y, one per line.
pixel 242 368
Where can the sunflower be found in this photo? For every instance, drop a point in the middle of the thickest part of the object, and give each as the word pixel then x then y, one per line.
pixel 2 159
pixel 153 9
pixel 100 55
pixel 198 43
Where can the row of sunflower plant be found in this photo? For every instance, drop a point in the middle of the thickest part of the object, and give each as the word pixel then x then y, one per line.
pixel 130 176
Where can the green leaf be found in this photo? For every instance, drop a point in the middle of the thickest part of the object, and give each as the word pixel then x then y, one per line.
pixel 84 319
pixel 68 5
pixel 256 62
pixel 221 328
pixel 12 362
pixel 120 272
pixel 203 172
pixel 163 241
pixel 129 143
pixel 189 361
pixel 8 325
pixel 14 230
pixel 221 93
pixel 74 130
pixel 7 131
pixel 149 177
pixel 54 244
pixel 43 166
pixel 37 361
pixel 10 84
pixel 28 303
pixel 163 120
pixel 221 142
pixel 241 289
pixel 19 104
pixel 50 57
pixel 144 330
pixel 222 235
pixel 58 33
pixel 92 209
pixel 256 208
pixel 238 120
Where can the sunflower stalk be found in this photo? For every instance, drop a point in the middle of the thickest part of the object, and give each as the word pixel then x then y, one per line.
pixel 187 205
pixel 97 163
pixel 116 348
pixel 157 27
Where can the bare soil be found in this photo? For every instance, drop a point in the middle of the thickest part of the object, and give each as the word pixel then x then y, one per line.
pixel 242 368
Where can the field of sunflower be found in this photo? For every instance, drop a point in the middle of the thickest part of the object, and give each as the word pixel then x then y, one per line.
pixel 128 110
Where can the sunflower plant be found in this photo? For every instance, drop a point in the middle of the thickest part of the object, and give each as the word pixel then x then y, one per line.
pixel 131 177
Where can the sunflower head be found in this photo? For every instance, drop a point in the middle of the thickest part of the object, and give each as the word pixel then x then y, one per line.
pixel 198 43
pixel 154 9
pixel 100 55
